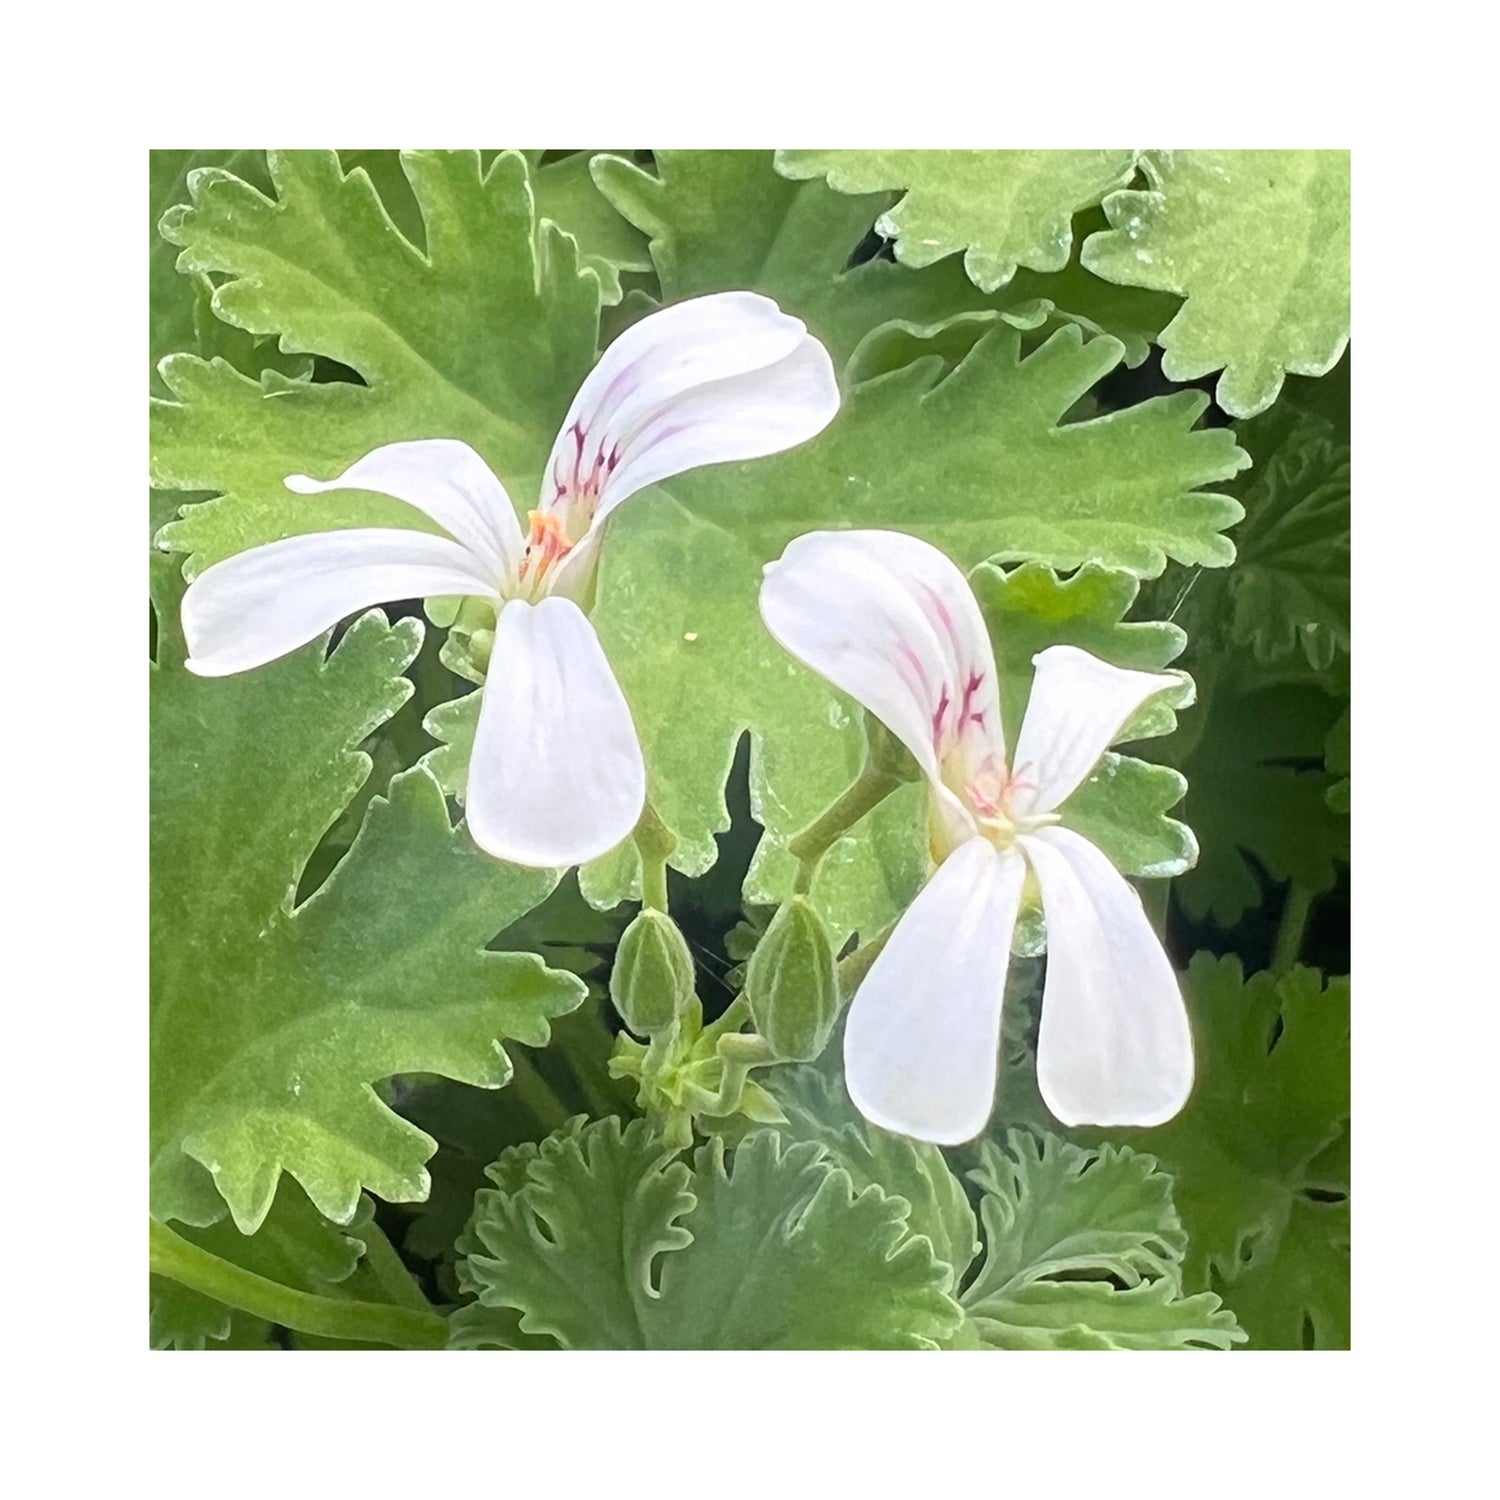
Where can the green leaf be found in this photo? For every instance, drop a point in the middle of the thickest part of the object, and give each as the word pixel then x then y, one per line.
pixel 966 463
pixel 981 462
pixel 725 219
pixel 976 461
pixel 1002 208
pixel 1289 595
pixel 270 1022
pixel 563 192
pixel 181 315
pixel 600 1239
pixel 1256 784
pixel 570 1234
pixel 608 243
pixel 295 1246
pixel 1083 1251
pixel 485 337
pixel 1260 1154
pixel 175 298
pixel 1258 243
pixel 817 1109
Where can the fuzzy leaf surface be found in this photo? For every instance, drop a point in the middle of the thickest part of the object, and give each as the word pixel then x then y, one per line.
pixel 1083 1250
pixel 722 219
pixel 295 1246
pixel 483 337
pixel 1258 243
pixel 599 1239
pixel 1003 209
pixel 269 1021
pixel 817 1109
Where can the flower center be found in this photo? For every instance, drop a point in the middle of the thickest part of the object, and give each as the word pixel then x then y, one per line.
pixel 990 796
pixel 546 546
pixel 581 466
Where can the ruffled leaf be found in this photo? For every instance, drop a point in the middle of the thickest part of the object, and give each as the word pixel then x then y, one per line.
pixel 1258 243
pixel 1260 1156
pixel 1083 1250
pixel 600 1239
pixel 817 1109
pixel 1003 209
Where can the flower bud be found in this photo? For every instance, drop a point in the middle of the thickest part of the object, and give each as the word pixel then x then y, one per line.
pixel 652 980
pixel 792 984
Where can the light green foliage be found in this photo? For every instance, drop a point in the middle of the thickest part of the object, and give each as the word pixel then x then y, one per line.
pixel 182 319
pixel 1256 782
pixel 1083 1250
pixel 295 1246
pixel 342 982
pixel 270 1022
pixel 484 338
pixel 720 219
pixel 600 1239
pixel 1002 208
pixel 817 1109
pixel 1258 243
pixel 982 463
pixel 1260 1156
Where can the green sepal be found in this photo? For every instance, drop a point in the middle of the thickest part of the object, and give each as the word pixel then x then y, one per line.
pixel 792 983
pixel 652 980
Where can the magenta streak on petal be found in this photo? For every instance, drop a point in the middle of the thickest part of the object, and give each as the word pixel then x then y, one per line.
pixel 967 714
pixel 909 668
pixel 940 609
pixel 944 703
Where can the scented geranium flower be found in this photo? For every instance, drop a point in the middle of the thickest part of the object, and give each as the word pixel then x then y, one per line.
pixel 556 775
pixel 892 622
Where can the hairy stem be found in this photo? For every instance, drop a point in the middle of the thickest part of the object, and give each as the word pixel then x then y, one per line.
pixel 326 1317
pixel 873 785
pixel 654 841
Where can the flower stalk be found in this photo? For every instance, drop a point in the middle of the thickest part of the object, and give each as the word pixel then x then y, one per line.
pixel 303 1312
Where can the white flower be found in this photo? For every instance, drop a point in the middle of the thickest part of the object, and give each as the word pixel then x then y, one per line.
pixel 556 775
pixel 892 622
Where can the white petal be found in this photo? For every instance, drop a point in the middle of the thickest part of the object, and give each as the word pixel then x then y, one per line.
pixel 258 605
pixel 891 621
pixel 1114 1047
pixel 671 393
pixel 746 416
pixel 1078 705
pixel 446 480
pixel 922 1042
pixel 556 776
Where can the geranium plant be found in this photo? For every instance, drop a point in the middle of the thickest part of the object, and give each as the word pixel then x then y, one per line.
pixel 861 861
